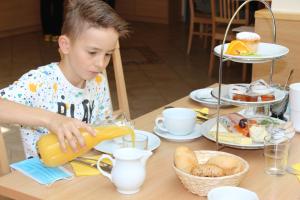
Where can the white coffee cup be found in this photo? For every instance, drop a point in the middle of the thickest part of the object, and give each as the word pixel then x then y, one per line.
pixel 295 105
pixel 231 193
pixel 177 121
pixel 295 118
pixel 295 96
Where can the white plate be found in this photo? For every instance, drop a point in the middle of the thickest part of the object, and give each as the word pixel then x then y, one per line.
pixel 279 95
pixel 109 146
pixel 204 97
pixel 206 127
pixel 265 52
pixel 180 138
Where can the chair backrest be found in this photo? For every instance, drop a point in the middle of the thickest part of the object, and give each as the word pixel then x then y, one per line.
pixel 223 10
pixel 192 9
pixel 120 83
pixel 4 164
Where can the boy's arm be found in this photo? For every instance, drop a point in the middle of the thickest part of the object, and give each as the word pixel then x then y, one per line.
pixel 64 127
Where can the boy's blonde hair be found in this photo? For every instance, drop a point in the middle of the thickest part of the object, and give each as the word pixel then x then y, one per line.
pixel 83 14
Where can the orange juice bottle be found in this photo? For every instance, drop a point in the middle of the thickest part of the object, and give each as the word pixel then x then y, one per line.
pixel 51 154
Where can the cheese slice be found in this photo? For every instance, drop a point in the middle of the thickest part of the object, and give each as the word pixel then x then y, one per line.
pixel 228 137
pixel 222 129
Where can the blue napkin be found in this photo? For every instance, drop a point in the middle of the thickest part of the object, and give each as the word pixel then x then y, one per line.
pixel 36 170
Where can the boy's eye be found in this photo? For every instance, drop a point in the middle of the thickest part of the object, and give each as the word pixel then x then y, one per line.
pixel 108 54
pixel 92 52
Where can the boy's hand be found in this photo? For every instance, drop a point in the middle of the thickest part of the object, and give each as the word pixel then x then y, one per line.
pixel 67 129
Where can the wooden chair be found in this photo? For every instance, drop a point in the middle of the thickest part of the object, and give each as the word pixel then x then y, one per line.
pixel 4 164
pixel 204 21
pixel 222 11
pixel 120 83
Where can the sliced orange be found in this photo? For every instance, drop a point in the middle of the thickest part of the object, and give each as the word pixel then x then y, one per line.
pixel 237 47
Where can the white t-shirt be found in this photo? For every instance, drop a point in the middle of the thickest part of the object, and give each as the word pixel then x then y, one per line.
pixel 47 88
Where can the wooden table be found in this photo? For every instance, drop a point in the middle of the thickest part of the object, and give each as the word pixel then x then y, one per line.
pixel 161 181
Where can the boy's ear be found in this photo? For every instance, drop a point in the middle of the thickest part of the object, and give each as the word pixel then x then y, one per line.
pixel 64 43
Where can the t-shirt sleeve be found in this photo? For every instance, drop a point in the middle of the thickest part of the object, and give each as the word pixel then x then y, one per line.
pixel 25 89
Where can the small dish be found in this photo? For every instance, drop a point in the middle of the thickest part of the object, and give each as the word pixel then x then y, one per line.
pixel 204 97
pixel 109 146
pixel 231 193
pixel 196 133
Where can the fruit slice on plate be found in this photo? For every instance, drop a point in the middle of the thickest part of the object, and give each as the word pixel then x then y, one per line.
pixel 237 47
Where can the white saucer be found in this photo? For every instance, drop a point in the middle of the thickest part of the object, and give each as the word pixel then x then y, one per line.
pixel 109 146
pixel 179 138
pixel 204 96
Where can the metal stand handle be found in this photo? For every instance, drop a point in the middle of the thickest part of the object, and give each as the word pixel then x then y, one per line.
pixel 224 59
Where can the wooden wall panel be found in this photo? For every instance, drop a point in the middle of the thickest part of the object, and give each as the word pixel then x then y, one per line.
pixel 19 16
pixel 288 31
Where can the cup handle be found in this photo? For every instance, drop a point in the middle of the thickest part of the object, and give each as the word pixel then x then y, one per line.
pixel 158 122
pixel 108 175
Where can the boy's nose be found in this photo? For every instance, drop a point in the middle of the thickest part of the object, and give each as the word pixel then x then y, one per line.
pixel 100 63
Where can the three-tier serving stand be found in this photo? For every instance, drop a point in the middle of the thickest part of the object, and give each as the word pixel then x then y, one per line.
pixel 223 59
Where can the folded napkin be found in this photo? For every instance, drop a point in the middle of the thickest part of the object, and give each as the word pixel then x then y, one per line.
pixel 81 169
pixel 202 113
pixel 36 170
pixel 297 167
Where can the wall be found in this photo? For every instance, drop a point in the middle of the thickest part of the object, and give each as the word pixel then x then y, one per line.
pixel 19 16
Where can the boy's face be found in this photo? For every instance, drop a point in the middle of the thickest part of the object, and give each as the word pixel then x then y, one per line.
pixel 88 54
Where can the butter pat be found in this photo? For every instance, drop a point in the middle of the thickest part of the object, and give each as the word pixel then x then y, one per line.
pixel 258 133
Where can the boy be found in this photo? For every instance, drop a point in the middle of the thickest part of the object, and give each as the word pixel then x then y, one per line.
pixel 62 96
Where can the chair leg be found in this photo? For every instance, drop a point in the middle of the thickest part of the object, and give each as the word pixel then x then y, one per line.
pixel 211 60
pixel 244 76
pixel 201 30
pixel 205 30
pixel 190 38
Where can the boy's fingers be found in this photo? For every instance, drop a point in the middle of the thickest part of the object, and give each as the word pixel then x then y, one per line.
pixel 62 143
pixel 78 136
pixel 90 130
pixel 71 140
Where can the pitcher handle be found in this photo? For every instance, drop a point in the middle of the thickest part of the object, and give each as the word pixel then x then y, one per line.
pixel 108 175
pixel 158 122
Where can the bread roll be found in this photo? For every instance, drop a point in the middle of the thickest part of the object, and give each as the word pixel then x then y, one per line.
pixel 207 170
pixel 185 159
pixel 229 164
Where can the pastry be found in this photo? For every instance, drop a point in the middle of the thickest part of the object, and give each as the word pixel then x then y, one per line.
pixel 229 164
pixel 207 170
pixel 185 159
pixel 250 39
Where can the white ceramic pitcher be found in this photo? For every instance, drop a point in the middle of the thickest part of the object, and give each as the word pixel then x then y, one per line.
pixel 128 172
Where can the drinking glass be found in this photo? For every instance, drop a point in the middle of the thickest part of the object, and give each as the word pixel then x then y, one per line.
pixel 276 154
pixel 140 141
pixel 118 120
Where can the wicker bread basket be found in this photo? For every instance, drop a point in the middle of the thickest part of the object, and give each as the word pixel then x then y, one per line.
pixel 202 185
